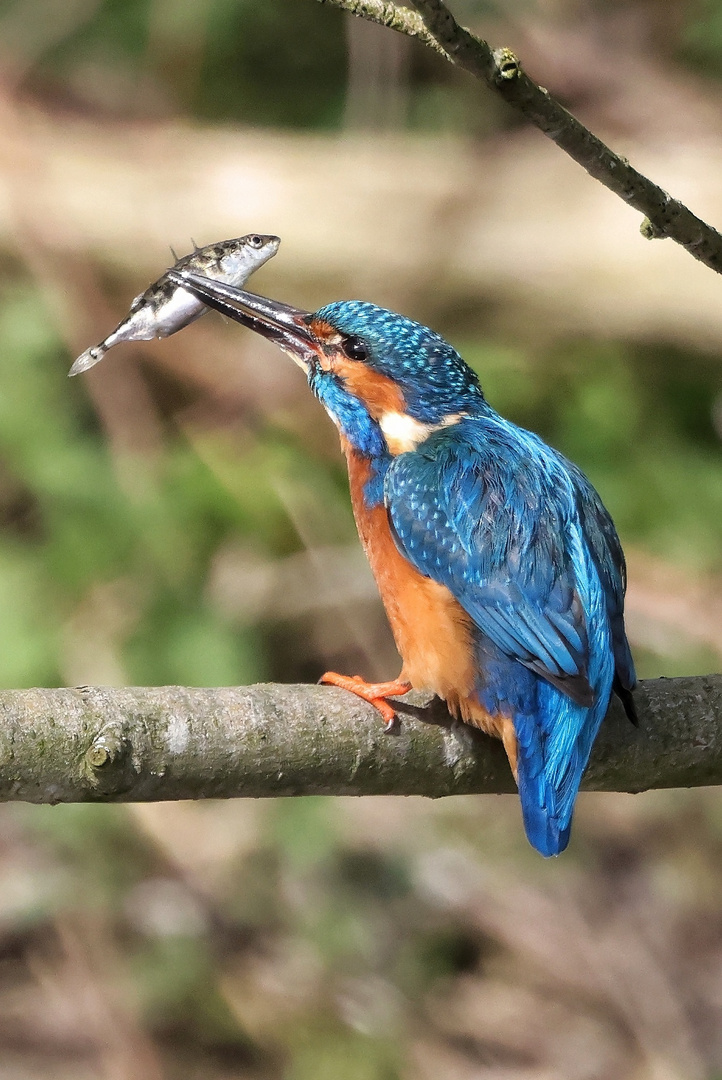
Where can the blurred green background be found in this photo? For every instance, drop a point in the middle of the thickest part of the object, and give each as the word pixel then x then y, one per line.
pixel 180 515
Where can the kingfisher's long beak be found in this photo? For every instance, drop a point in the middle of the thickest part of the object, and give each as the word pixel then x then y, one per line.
pixel 285 325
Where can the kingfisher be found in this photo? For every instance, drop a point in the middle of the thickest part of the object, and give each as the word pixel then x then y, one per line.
pixel 500 569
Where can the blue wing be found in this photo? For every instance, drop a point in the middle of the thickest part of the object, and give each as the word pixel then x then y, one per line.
pixel 608 557
pixel 501 531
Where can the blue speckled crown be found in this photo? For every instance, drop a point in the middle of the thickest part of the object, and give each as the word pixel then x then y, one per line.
pixel 434 378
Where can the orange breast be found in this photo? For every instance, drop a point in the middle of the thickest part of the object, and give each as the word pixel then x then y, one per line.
pixel 432 631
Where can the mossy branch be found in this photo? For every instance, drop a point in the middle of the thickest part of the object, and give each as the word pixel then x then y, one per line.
pixel 501 70
pixel 104 744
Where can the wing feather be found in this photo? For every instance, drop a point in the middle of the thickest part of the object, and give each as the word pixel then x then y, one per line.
pixel 502 532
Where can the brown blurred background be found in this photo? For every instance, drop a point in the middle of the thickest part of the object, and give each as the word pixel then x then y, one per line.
pixel 180 515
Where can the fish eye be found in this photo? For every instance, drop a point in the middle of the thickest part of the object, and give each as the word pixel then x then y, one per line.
pixel 355 349
pixel 255 241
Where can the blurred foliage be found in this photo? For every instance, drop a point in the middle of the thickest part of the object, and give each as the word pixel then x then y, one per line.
pixel 701 44
pixel 277 63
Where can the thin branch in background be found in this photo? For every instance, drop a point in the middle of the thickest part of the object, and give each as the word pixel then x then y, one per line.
pixel 392 16
pixel 501 71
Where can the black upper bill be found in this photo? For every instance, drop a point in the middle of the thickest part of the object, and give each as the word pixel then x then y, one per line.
pixel 285 325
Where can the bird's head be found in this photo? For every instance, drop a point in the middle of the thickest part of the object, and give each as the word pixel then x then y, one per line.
pixel 386 381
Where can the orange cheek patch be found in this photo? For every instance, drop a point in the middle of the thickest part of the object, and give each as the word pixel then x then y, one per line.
pixel 379 393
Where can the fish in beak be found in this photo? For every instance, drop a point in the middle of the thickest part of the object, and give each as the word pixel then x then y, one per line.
pixel 165 308
pixel 286 326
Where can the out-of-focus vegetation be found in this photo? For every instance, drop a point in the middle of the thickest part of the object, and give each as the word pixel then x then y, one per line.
pixel 161 523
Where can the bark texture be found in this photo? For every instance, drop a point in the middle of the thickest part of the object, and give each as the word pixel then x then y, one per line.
pixel 140 744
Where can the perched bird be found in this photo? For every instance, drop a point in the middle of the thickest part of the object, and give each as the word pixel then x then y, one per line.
pixel 499 567
pixel 165 308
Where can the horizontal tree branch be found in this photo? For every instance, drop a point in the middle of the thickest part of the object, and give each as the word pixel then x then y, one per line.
pixel 501 70
pixel 145 744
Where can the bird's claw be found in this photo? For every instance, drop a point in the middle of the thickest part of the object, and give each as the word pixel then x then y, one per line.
pixel 374 693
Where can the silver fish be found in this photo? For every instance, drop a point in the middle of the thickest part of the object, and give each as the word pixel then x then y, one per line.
pixel 166 307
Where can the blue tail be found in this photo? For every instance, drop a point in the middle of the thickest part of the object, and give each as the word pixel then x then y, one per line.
pixel 546 826
pixel 554 733
pixel 554 743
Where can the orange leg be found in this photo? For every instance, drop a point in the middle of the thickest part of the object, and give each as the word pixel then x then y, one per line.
pixel 376 693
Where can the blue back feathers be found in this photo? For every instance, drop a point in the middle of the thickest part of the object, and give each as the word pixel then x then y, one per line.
pixel 520 538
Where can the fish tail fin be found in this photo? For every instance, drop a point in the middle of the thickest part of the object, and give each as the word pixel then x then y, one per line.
pixel 89 359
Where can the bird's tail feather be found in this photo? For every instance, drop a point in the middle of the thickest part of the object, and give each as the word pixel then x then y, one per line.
pixel 546 828
pixel 551 759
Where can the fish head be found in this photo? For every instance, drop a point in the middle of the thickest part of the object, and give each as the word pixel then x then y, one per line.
pixel 233 261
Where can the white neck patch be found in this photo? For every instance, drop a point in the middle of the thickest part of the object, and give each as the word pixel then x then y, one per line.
pixel 403 433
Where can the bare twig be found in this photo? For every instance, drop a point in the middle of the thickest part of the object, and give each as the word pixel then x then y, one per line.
pixel 147 744
pixel 501 71
pixel 394 17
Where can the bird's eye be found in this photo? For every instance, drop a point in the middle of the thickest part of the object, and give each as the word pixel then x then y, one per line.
pixel 255 241
pixel 355 349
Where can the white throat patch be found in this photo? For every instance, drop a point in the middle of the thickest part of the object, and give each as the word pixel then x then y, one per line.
pixel 403 433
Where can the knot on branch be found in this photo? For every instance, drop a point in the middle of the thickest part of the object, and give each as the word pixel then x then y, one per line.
pixel 506 66
pixel 651 231
pixel 104 748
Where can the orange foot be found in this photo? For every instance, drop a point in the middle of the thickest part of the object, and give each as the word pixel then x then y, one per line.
pixel 376 693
